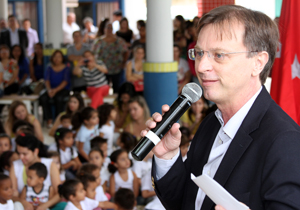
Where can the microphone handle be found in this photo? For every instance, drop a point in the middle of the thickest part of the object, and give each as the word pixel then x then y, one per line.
pixel 146 144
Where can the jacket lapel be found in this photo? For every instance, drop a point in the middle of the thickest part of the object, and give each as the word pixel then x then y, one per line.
pixel 240 142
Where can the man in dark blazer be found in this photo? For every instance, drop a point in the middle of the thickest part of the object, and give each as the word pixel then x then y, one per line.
pixel 13 35
pixel 249 145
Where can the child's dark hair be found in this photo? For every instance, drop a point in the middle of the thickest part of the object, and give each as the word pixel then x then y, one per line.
pixel 125 199
pixel 96 150
pixel 104 112
pixel 184 140
pixel 97 142
pixel 85 179
pixel 31 142
pixel 80 101
pixel 68 188
pixel 114 157
pixel 4 160
pixel 65 117
pixel 40 169
pixel 59 135
pixel 82 115
pixel 24 126
pixel 129 141
pixel 87 168
pixel 4 135
pixel 3 177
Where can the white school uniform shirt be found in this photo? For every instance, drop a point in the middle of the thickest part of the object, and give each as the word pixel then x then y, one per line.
pixel 218 150
pixel 104 173
pixel 9 205
pixel 141 168
pixel 86 204
pixel 108 132
pixel 100 195
pixel 66 156
pixel 34 198
pixel 85 135
pixel 120 183
pixel 155 204
pixel 19 171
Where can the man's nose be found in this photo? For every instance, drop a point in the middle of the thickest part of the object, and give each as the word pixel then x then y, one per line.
pixel 203 64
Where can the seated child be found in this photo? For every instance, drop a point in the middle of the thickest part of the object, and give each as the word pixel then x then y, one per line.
pixel 122 175
pixel 6 194
pixel 141 168
pixel 36 192
pixel 21 126
pixel 6 160
pixel 5 143
pixel 56 159
pixel 124 199
pixel 90 185
pixel 73 191
pixel 65 122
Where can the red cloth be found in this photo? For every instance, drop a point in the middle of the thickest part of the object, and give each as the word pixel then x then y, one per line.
pixel 285 87
pixel 191 62
pixel 97 94
pixel 204 6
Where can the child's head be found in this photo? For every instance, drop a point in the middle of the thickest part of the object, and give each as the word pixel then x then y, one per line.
pixel 22 126
pixel 72 190
pixel 6 160
pixel 100 143
pixel 127 141
pixel 5 143
pixel 89 168
pixel 119 160
pixel 96 157
pixel 6 191
pixel 87 116
pixel 184 145
pixel 89 184
pixel 63 138
pixel 55 159
pixel 106 113
pixel 36 174
pixel 65 121
pixel 124 199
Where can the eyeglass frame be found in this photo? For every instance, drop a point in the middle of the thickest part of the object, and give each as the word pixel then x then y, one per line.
pixel 210 55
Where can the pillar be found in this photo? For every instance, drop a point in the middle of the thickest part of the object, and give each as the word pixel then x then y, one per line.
pixel 55 17
pixel 3 9
pixel 160 71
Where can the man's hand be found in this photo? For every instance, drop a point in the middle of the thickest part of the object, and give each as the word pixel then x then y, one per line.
pixel 168 147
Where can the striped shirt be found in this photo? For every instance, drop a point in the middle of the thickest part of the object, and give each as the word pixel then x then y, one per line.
pixel 94 77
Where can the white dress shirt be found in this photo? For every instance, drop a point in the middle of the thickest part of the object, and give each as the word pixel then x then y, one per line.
pixel 218 150
pixel 68 32
pixel 14 37
pixel 32 40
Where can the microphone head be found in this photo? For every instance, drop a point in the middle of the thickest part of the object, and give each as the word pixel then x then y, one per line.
pixel 192 91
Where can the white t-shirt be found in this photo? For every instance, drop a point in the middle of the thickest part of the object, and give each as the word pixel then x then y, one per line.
pixel 104 173
pixel 100 196
pixel 141 168
pixel 85 135
pixel 120 183
pixel 68 32
pixel 66 156
pixel 183 67
pixel 116 26
pixel 86 204
pixel 155 204
pixel 8 206
pixel 34 198
pixel 108 132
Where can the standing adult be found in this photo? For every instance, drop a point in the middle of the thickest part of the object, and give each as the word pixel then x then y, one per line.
pixel 112 50
pixel 13 35
pixel 250 146
pixel 3 24
pixel 69 27
pixel 36 64
pixel 74 53
pixel 32 37
pixel 117 16
pixel 18 54
pixel 90 31
pixel 125 32
pixel 142 37
pixel 57 82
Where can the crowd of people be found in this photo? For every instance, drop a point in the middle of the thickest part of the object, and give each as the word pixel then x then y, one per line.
pixel 89 166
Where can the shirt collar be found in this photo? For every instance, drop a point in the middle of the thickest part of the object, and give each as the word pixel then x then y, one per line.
pixel 236 120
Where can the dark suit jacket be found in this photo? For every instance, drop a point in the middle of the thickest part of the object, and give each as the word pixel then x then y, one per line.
pixel 261 167
pixel 23 40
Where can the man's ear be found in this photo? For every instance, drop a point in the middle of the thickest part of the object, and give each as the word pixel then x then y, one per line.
pixel 261 59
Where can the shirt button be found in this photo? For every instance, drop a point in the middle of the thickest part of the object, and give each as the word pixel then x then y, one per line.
pixel 208 172
pixel 220 141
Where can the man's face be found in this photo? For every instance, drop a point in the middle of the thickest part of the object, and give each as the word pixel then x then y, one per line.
pixel 12 22
pixel 71 18
pixel 26 25
pixel 224 82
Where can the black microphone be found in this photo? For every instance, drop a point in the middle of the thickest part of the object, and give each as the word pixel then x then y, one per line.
pixel 191 93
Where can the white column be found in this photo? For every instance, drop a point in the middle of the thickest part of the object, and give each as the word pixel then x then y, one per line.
pixel 55 12
pixel 159 31
pixel 3 9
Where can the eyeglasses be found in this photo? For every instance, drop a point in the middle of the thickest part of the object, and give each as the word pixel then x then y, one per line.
pixel 194 54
